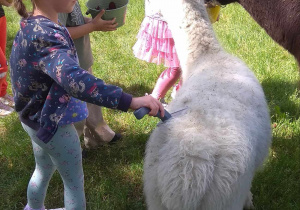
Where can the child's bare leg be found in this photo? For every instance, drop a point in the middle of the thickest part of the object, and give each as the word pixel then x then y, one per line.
pixel 165 81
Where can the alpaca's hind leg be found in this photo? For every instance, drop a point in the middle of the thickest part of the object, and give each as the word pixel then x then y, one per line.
pixel 151 192
pixel 248 203
pixel 154 204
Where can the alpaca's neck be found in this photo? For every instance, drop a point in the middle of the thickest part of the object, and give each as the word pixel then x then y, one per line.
pixel 192 31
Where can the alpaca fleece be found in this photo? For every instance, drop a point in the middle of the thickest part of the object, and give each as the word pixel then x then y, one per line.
pixel 206 157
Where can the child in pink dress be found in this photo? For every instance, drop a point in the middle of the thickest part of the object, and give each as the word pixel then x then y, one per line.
pixel 155 44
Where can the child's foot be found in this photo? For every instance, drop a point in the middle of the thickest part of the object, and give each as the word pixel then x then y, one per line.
pixel 84 153
pixel 7 100
pixel 94 144
pixel 5 110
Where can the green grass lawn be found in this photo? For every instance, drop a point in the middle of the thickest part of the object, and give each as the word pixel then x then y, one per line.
pixel 113 174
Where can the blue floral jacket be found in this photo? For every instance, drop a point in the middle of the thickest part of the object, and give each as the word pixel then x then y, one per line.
pixel 45 75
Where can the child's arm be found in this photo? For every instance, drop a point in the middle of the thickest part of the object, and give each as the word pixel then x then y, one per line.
pixel 62 66
pixel 96 24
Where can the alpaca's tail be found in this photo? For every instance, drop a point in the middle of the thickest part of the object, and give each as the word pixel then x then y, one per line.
pixel 185 172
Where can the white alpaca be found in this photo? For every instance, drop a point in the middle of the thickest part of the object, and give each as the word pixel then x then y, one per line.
pixel 205 158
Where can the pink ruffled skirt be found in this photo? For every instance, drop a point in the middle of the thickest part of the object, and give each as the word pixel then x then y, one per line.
pixel 155 43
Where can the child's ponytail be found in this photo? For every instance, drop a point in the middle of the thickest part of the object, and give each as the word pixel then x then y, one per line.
pixel 21 9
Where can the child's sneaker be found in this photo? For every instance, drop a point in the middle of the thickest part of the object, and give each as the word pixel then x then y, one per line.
pixel 5 110
pixel 7 100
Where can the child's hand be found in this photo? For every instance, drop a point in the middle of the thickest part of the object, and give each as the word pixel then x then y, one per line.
pixel 103 25
pixel 6 3
pixel 148 101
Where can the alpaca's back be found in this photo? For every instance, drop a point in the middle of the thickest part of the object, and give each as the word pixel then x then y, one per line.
pixel 205 157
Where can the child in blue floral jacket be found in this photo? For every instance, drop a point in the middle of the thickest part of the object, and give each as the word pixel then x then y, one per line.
pixel 49 89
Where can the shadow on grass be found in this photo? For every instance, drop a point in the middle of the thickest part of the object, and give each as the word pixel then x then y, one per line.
pixel 113 173
pixel 280 96
pixel 277 186
pixel 16 161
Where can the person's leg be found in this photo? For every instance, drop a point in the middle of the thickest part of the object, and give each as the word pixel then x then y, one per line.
pixel 44 169
pixel 38 184
pixel 4 108
pixel 96 130
pixel 3 62
pixel 5 99
pixel 165 81
pixel 3 71
pixel 176 88
pixel 80 127
pixel 65 152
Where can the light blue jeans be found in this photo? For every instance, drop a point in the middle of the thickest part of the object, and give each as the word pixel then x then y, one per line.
pixel 62 153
